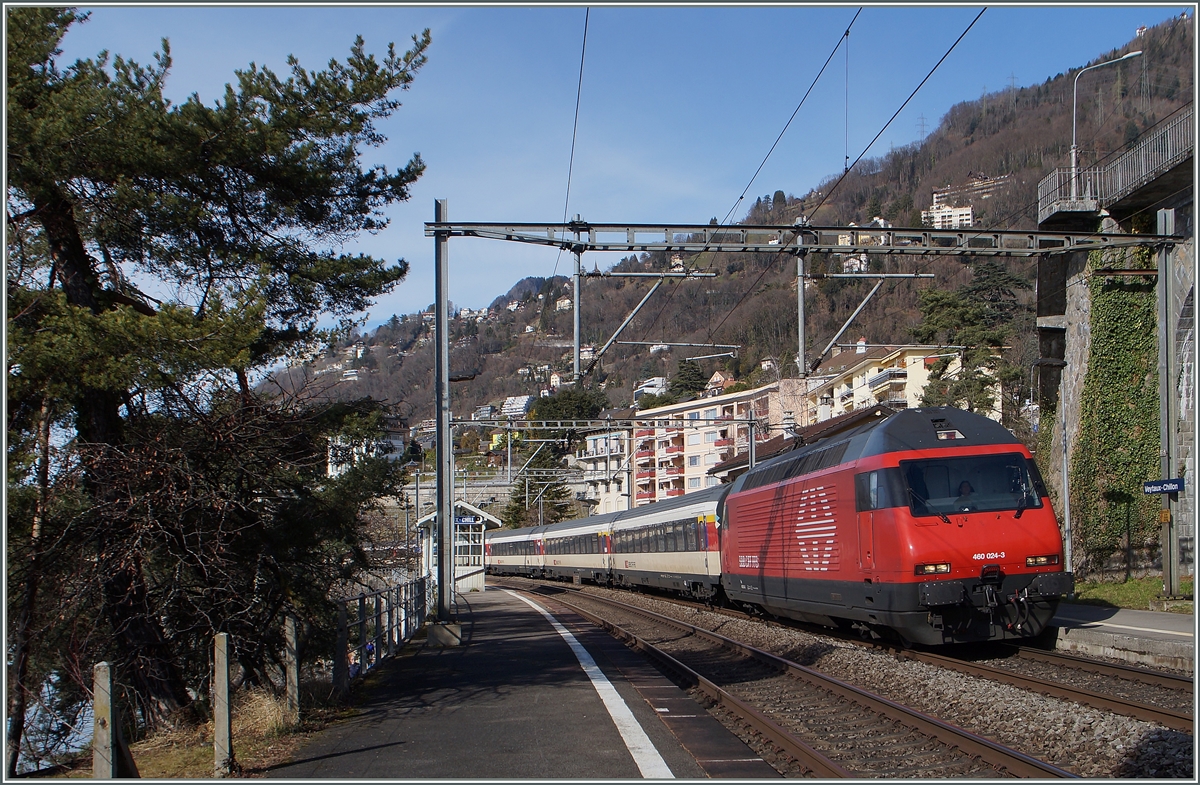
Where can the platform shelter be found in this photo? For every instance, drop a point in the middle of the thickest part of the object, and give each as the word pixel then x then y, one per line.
pixel 470 523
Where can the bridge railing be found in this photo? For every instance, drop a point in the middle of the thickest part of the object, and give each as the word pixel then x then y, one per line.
pixel 373 626
pixel 1170 144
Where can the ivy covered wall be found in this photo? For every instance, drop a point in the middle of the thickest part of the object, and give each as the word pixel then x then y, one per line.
pixel 1118 443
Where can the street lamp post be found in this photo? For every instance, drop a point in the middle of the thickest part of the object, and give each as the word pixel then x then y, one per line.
pixel 1074 109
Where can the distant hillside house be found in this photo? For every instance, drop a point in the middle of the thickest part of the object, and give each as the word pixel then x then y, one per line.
pixel 485 412
pixel 655 385
pixel 717 383
pixel 562 304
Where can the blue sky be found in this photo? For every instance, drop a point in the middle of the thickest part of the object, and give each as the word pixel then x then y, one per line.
pixel 679 104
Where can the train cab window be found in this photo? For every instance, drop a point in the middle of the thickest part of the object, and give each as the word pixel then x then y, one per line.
pixel 972 483
pixel 878 490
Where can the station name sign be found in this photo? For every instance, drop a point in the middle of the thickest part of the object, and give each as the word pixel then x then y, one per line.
pixel 1162 486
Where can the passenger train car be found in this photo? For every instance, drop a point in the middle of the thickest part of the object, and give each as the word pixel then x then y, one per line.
pixel 931 524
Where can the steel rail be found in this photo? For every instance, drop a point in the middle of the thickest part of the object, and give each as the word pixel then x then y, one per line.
pixel 1171 718
pixel 1170 681
pixel 985 749
pixel 819 764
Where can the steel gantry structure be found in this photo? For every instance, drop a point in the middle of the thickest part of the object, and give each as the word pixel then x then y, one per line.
pixel 798 239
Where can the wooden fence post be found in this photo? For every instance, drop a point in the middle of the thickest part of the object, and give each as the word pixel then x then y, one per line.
pixel 111 758
pixel 223 762
pixel 292 666
pixel 341 673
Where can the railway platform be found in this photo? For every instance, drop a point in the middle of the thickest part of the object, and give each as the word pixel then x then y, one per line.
pixel 1150 638
pixel 533 692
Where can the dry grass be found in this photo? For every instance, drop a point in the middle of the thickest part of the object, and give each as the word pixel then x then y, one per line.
pixel 262 738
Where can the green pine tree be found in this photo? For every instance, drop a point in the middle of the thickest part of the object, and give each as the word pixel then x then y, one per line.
pixel 239 208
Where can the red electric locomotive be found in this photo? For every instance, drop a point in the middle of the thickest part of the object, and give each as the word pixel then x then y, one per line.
pixel 930 522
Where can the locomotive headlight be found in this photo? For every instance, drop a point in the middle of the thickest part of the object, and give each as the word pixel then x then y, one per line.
pixel 933 569
pixel 1041 561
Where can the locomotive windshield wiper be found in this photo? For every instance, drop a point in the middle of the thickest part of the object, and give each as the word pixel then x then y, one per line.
pixel 1021 506
pixel 925 503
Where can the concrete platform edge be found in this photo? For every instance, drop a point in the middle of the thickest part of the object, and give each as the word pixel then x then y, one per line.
pixel 1179 655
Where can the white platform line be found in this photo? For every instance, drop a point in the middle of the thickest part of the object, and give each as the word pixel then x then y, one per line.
pixel 644 753
pixel 1095 624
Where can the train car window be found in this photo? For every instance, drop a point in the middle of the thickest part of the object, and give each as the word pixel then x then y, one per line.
pixel 689 533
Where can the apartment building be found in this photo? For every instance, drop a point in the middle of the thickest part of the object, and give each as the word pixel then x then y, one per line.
pixel 673 456
pixel 895 376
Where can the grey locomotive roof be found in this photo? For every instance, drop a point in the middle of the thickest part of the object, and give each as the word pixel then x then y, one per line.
pixel 917 429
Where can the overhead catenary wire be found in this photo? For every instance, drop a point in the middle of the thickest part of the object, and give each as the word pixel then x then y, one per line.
pixel 843 39
pixel 574 132
pixel 917 89
pixel 779 253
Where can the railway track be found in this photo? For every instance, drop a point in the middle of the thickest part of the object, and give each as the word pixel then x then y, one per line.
pixel 1151 696
pixel 1158 696
pixel 832 728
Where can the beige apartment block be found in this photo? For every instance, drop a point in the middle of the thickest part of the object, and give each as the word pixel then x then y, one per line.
pixel 895 376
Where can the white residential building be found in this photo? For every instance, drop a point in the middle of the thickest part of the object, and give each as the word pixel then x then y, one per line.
pixel 652 386
pixel 516 405
pixel 946 217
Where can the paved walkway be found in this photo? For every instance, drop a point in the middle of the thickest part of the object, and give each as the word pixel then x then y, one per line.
pixel 512 702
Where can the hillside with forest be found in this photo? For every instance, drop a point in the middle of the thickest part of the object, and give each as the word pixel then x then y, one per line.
pixel 1014 137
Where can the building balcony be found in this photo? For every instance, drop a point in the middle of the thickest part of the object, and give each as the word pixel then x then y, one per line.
pixel 642 454
pixel 673 492
pixel 645 495
pixel 673 471
pixel 644 474
pixel 886 377
pixel 674 449
pixel 643 433
pixel 727 442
